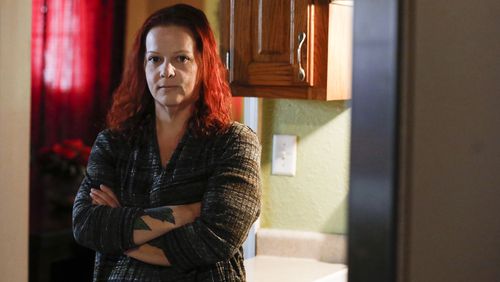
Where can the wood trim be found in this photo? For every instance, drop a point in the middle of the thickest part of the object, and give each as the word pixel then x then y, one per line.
pixel 339 71
pixel 278 92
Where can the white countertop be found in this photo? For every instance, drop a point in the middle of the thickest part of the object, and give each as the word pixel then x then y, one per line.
pixel 275 269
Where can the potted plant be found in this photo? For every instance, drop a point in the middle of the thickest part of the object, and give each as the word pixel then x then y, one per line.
pixel 62 168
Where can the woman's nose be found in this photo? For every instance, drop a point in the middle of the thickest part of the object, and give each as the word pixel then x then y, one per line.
pixel 167 70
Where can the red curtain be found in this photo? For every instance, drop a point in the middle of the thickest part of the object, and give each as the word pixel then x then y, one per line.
pixel 71 69
pixel 76 61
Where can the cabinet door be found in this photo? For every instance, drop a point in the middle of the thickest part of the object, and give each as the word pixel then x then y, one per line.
pixel 264 43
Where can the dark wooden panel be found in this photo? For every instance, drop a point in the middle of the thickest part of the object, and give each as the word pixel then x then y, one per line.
pixel 263 43
pixel 272 27
pixel 374 142
pixel 265 40
pixel 224 28
pixel 240 38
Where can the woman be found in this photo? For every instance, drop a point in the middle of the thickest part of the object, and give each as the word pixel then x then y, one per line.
pixel 172 185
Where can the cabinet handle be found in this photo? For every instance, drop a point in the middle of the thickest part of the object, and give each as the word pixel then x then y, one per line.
pixel 302 73
pixel 227 60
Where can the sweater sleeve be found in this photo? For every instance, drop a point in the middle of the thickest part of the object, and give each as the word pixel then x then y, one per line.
pixel 230 205
pixel 102 228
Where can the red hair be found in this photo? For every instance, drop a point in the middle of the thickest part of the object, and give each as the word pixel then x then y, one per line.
pixel 132 101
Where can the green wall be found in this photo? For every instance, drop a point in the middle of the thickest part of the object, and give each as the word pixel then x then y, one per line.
pixel 315 199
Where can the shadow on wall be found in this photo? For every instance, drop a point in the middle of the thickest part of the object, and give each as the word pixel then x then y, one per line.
pixel 338 215
pixel 298 117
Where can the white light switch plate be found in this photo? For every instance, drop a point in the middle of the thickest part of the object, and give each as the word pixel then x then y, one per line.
pixel 284 155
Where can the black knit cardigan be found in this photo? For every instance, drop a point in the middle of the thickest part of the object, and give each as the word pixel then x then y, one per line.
pixel 223 172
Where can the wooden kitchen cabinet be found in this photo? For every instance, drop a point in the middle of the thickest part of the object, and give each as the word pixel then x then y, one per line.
pixel 298 49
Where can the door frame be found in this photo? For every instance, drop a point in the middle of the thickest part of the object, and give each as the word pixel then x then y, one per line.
pixel 372 247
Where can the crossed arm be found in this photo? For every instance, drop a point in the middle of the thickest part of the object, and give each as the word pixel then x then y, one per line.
pixel 154 223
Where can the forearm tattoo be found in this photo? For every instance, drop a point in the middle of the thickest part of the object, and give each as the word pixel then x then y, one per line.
pixel 160 213
pixel 157 242
pixel 140 224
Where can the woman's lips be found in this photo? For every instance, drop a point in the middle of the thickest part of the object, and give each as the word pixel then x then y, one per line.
pixel 167 86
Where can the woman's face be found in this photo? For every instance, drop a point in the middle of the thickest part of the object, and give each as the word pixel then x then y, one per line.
pixel 171 67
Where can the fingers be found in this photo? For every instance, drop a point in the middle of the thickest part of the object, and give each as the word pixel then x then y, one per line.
pixel 97 199
pixel 104 197
pixel 110 193
pixel 101 199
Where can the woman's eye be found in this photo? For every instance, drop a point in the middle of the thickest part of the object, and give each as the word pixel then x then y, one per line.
pixel 153 59
pixel 183 59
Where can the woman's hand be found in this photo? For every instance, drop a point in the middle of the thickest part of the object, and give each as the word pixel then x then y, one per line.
pixel 104 196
